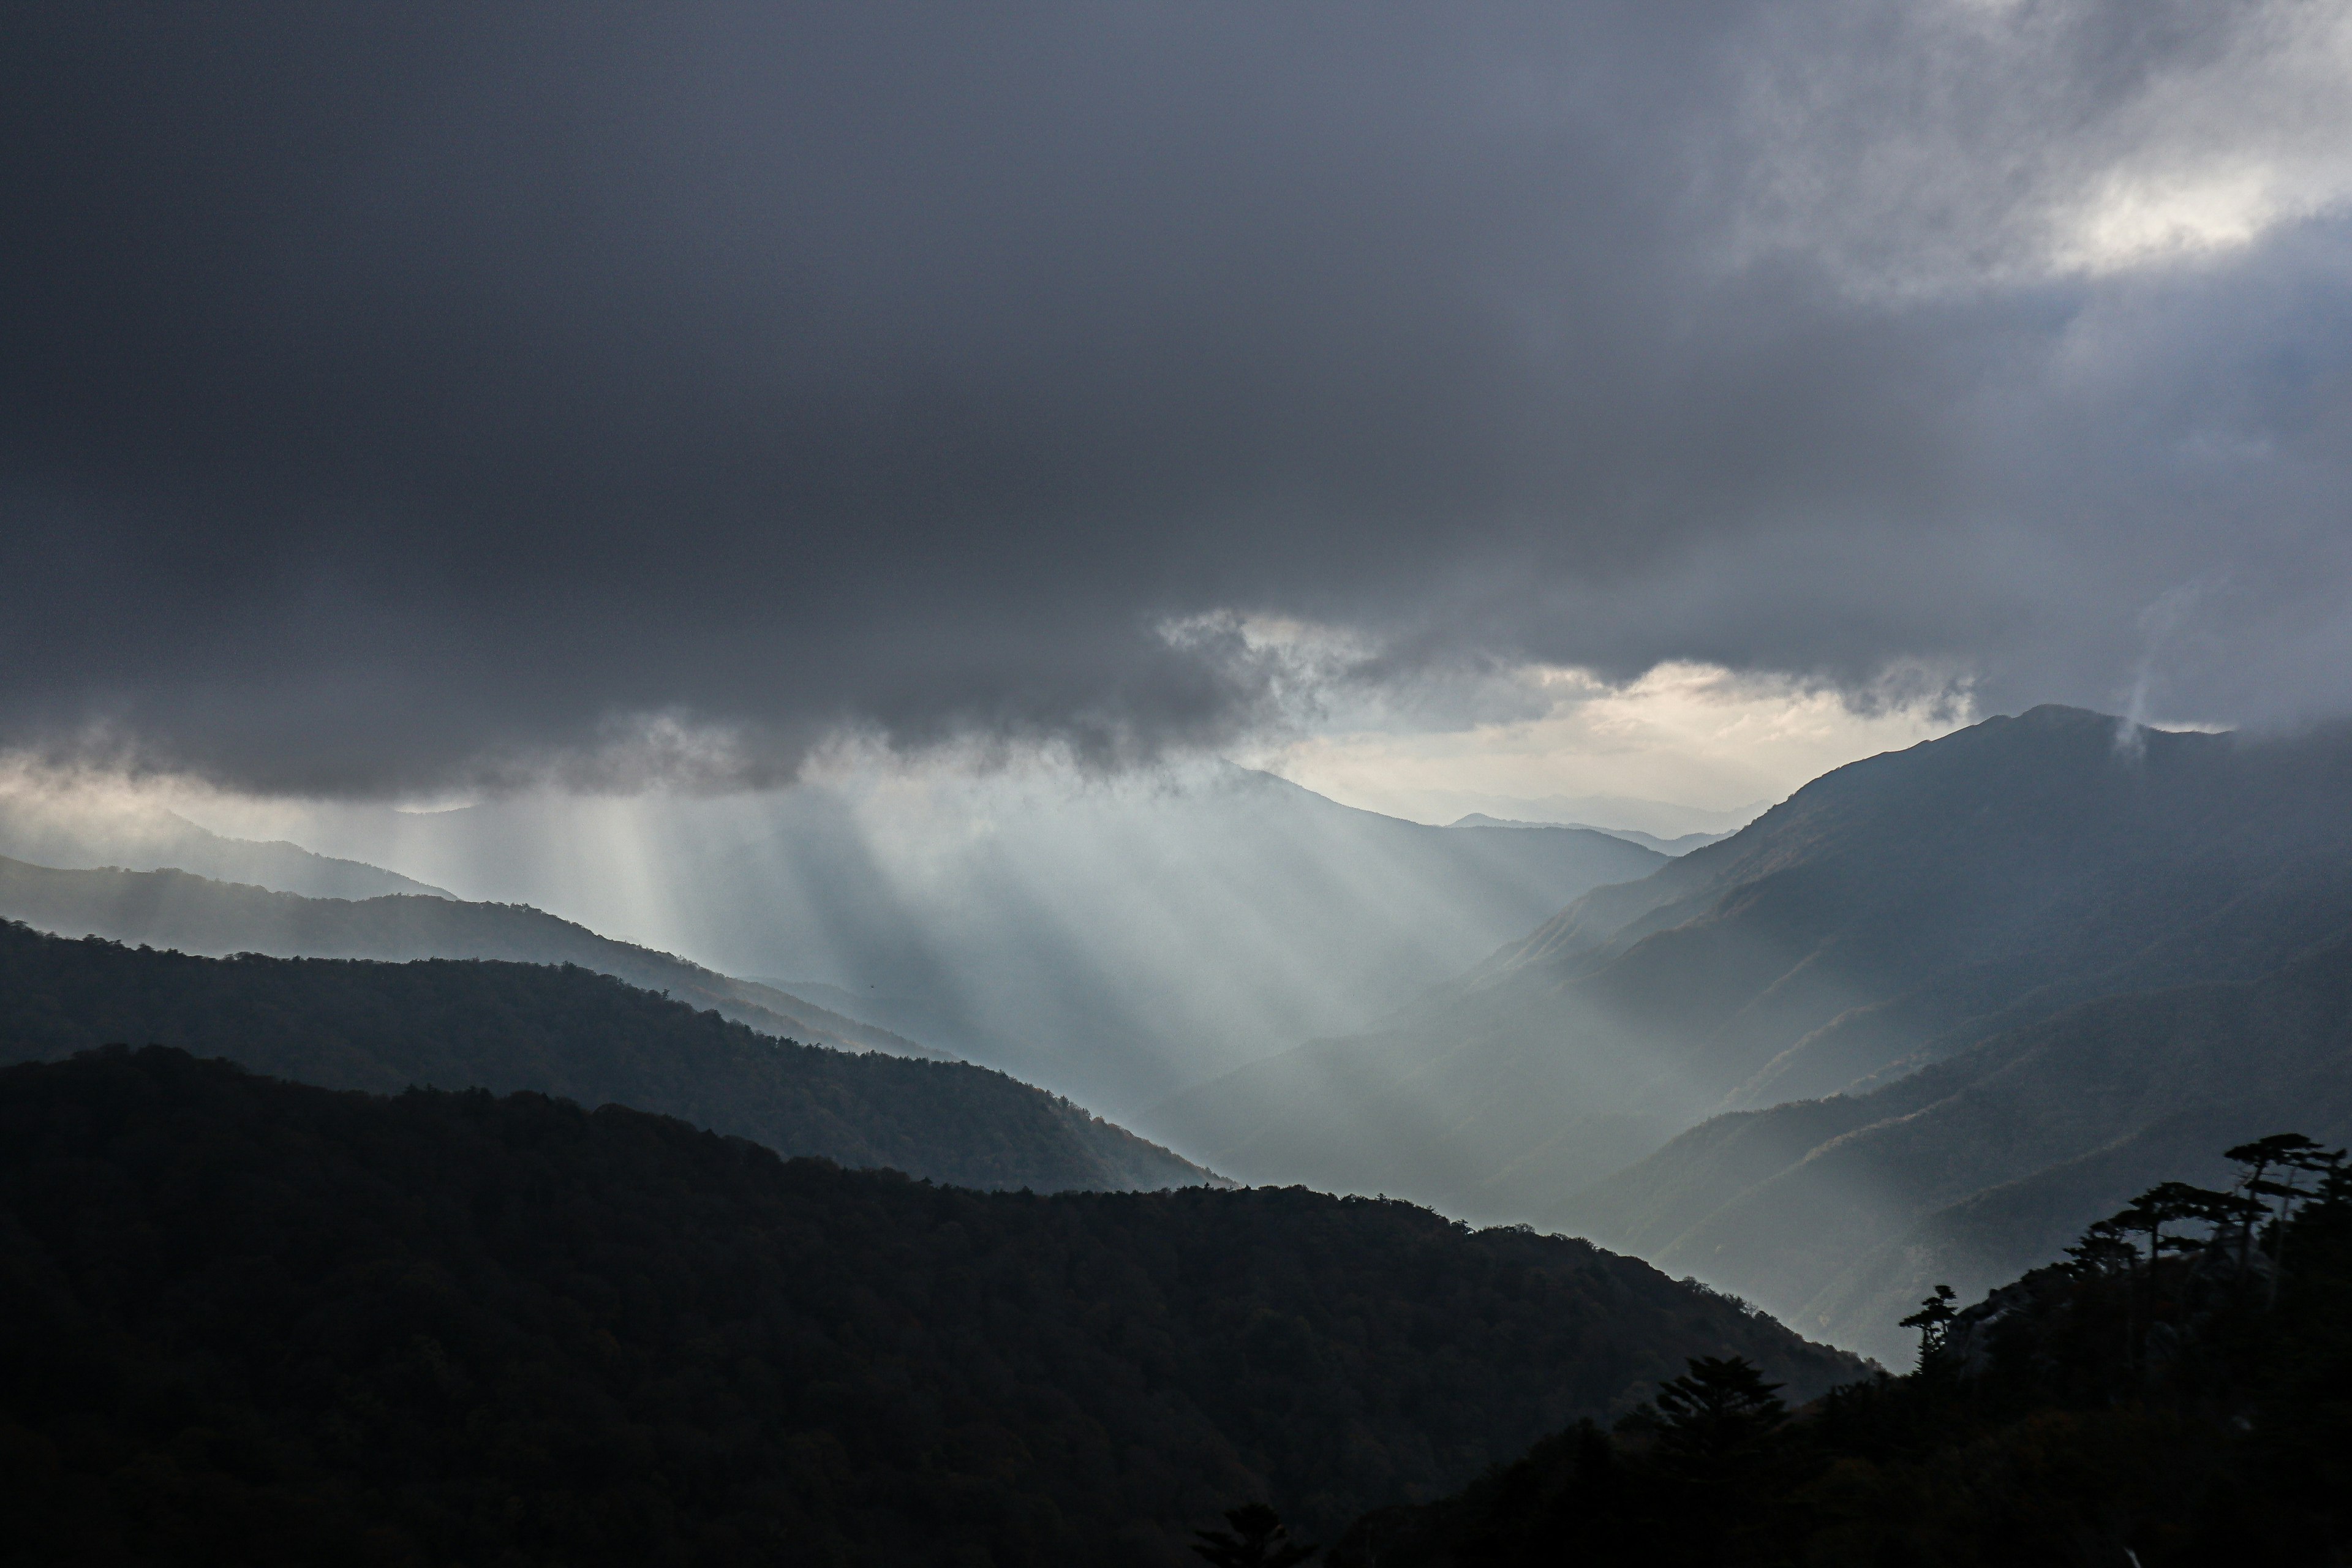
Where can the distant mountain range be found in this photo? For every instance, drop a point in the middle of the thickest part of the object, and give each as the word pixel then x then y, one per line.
pixel 1918 1023
pixel 196 914
pixel 1113 939
pixel 1839 1214
pixel 1682 845
pixel 1605 813
pixel 55 829
pixel 1892 915
pixel 351 1024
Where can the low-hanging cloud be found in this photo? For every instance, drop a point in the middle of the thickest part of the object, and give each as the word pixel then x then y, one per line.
pixel 421 395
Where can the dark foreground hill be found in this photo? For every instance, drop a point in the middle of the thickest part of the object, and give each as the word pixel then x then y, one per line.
pixel 2177 1407
pixel 173 909
pixel 258 1322
pixel 568 1032
pixel 1889 915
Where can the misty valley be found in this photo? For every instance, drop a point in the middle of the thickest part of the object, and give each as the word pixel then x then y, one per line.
pixel 880 784
pixel 1883 1181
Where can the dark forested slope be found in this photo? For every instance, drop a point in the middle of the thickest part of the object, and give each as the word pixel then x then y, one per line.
pixel 266 1323
pixel 1889 914
pixel 196 914
pixel 563 1031
pixel 2178 1394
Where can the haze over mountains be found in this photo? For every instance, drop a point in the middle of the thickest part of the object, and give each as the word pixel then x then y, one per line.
pixel 1897 913
pixel 1661 819
pixel 1839 1214
pixel 1770 1061
pixel 58 827
pixel 171 909
pixel 712 581
pixel 1682 844
pixel 563 1031
pixel 1114 939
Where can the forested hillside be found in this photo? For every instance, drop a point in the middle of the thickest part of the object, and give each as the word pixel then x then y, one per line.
pixel 264 1323
pixel 196 914
pixel 1888 915
pixel 2176 1394
pixel 563 1031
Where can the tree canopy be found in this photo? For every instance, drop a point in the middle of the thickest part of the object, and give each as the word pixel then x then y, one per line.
pixel 262 1322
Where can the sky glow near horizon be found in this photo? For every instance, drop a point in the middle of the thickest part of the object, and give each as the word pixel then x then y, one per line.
pixel 1671 752
pixel 1683 735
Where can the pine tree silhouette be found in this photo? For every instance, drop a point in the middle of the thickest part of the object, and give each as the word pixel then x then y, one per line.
pixel 1721 1408
pixel 1934 1321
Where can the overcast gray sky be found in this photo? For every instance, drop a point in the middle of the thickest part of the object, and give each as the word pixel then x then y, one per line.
pixel 407 397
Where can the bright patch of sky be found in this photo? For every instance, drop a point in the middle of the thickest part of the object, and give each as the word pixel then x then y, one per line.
pixel 1701 738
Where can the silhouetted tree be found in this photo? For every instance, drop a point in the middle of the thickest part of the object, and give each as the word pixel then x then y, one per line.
pixel 2255 1161
pixel 2105 1248
pixel 2295 1157
pixel 2233 1446
pixel 1719 1409
pixel 1934 1321
pixel 1258 1538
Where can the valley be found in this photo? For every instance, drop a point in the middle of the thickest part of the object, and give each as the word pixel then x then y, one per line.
pixel 1866 943
pixel 1916 1025
pixel 1079 785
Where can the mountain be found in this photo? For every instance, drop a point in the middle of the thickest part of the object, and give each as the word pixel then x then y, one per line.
pixel 1888 916
pixel 61 829
pixel 1682 844
pixel 350 1024
pixel 256 1321
pixel 1836 1214
pixel 194 914
pixel 1114 938
pixel 1602 812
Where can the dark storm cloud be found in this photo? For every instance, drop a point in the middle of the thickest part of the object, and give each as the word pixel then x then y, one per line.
pixel 403 395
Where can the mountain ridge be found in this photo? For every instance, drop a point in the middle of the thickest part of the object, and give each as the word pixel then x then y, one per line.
pixel 568 1032
pixel 50 830
pixel 261 1321
pixel 1832 1213
pixel 178 910
pixel 1681 844
pixel 1116 938
pixel 1892 912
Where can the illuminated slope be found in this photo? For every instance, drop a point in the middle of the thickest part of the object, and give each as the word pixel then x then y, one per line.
pixel 1840 1214
pixel 1887 915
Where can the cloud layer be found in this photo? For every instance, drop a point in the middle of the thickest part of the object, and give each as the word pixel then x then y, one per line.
pixel 429 396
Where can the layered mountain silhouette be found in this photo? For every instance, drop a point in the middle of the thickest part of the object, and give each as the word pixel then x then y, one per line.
pixel 194 914
pixel 1838 1213
pixel 1888 917
pixel 254 1321
pixel 1116 939
pixel 1681 844
pixel 55 829
pixel 564 1031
